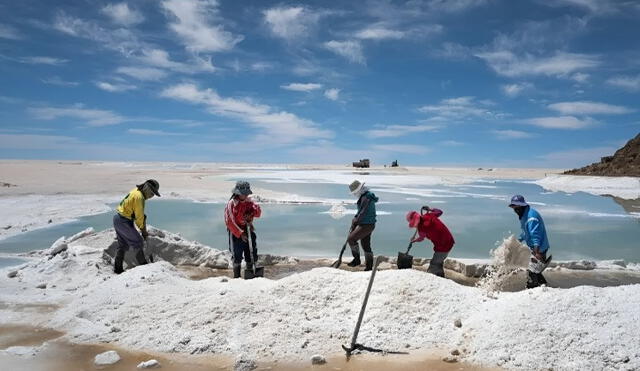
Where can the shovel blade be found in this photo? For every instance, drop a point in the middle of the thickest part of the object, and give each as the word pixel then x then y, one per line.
pixel 405 261
pixel 249 273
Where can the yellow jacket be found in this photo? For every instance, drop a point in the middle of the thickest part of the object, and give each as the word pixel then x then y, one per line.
pixel 132 207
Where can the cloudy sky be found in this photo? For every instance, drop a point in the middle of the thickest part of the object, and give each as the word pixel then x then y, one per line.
pixel 434 82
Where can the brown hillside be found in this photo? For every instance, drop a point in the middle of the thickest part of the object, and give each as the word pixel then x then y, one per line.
pixel 625 162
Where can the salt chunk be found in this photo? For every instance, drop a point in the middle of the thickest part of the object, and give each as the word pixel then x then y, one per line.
pixel 107 358
pixel 152 363
pixel 318 359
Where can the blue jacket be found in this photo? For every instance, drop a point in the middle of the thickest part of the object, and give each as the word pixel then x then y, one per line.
pixel 367 209
pixel 533 231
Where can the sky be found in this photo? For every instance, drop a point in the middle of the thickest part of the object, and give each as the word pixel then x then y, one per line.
pixel 532 83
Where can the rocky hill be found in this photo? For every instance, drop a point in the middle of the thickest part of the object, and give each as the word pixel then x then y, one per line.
pixel 625 162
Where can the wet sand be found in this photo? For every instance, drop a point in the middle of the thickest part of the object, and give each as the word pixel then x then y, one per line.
pixel 60 355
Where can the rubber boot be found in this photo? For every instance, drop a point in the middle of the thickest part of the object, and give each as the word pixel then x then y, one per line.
pixel 140 257
pixel 368 259
pixel 117 263
pixel 355 251
pixel 541 279
pixel 236 271
pixel 532 280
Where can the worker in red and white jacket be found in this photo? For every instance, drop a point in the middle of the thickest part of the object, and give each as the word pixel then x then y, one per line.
pixel 430 226
pixel 238 216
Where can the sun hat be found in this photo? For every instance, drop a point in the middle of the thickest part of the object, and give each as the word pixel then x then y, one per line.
pixel 355 187
pixel 518 200
pixel 413 218
pixel 242 188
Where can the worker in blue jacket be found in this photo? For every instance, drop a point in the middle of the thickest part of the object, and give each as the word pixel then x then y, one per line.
pixel 534 235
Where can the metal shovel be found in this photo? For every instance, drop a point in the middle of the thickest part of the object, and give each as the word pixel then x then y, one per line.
pixel 354 345
pixel 405 261
pixel 253 272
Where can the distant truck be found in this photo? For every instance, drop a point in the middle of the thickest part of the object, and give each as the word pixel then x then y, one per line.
pixel 362 163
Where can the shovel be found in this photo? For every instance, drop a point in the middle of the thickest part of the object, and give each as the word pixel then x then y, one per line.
pixel 253 272
pixel 405 261
pixel 336 264
pixel 354 345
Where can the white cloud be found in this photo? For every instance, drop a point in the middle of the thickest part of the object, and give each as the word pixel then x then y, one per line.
pixel 596 7
pixel 55 80
pixel 631 83
pixel 452 143
pixel 121 14
pixel 580 77
pixel 142 73
pixel 391 131
pixel 402 148
pixel 561 122
pixel 36 60
pixel 332 94
pixel 507 63
pixel 9 32
pixel 154 132
pixel 513 90
pixel 160 58
pixel 291 23
pixel 279 127
pixel 350 49
pixel 114 88
pixel 512 134
pixel 51 61
pixel 93 117
pixel 301 87
pixel 191 22
pixel 452 51
pixel 588 108
pixel 458 108
pixel 453 6
pixel 121 39
pixel 379 33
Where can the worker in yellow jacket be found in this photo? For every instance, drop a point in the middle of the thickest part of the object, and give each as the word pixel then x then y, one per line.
pixel 130 210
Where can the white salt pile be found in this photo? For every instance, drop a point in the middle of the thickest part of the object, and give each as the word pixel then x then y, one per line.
pixel 155 307
pixel 507 259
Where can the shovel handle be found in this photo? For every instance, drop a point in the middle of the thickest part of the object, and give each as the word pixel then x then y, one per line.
pixel 411 243
pixel 409 247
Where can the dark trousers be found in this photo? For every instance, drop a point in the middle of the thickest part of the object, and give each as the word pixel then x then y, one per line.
pixel 362 233
pixel 436 265
pixel 128 237
pixel 240 247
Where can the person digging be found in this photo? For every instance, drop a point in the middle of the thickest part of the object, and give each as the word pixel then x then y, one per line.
pixel 534 234
pixel 430 226
pixel 130 211
pixel 238 216
pixel 362 225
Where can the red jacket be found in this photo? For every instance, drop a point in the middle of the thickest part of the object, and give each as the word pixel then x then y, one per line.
pixel 238 213
pixel 433 228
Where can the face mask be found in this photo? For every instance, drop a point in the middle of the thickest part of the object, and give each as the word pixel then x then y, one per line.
pixel 519 211
pixel 146 190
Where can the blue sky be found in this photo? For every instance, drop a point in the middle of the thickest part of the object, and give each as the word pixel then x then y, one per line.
pixel 457 82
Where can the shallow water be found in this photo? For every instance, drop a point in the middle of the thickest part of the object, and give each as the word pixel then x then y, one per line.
pixel 59 355
pixel 580 226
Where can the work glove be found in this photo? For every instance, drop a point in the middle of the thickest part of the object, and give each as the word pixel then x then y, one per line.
pixel 244 237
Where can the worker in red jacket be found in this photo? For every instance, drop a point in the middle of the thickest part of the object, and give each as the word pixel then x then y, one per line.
pixel 430 226
pixel 238 216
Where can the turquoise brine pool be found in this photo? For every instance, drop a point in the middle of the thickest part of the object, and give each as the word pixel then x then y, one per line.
pixel 580 226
